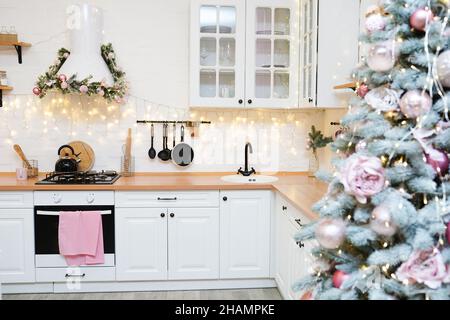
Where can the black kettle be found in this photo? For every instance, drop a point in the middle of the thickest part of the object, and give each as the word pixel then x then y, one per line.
pixel 68 162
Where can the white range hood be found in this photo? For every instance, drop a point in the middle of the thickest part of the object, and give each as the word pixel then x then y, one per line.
pixel 86 38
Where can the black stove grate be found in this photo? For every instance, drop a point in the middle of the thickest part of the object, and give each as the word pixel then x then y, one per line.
pixel 81 177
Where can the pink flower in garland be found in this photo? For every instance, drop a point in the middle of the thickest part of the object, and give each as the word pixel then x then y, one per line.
pixel 362 177
pixel 425 267
pixel 84 89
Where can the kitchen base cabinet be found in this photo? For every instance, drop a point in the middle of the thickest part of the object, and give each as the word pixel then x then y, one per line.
pixel 193 243
pixel 141 244
pixel 16 246
pixel 293 258
pixel 245 234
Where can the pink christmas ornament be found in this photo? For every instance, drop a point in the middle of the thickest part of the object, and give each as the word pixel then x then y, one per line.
pixel 64 85
pixel 362 90
pixel 66 55
pixel 443 68
pixel 100 92
pixel 438 159
pixel 84 88
pixel 420 19
pixel 381 56
pixel 36 91
pixel 375 22
pixel 62 77
pixel 381 221
pixel 330 233
pixel 338 278
pixel 415 103
pixel 425 267
pixel 362 176
pixel 447 234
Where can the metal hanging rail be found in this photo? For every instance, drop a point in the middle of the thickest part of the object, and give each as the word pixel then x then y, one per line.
pixel 188 123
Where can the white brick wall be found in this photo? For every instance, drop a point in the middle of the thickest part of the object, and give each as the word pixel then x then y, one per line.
pixel 151 39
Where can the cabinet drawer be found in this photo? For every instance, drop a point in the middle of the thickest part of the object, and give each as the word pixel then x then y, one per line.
pixel 84 274
pixel 12 199
pixel 172 199
pixel 294 215
pixel 67 198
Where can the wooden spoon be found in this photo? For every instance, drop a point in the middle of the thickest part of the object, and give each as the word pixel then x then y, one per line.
pixel 19 151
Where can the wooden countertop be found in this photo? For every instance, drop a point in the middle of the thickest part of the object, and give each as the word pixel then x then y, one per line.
pixel 299 189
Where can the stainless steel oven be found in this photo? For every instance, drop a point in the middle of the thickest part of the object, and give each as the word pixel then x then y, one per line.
pixel 47 207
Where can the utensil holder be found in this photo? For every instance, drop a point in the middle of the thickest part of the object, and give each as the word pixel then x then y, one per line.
pixel 127 166
pixel 32 171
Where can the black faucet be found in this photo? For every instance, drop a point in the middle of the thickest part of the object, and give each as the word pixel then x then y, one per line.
pixel 246 172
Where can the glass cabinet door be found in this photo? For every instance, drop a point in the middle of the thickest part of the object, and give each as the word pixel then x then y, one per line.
pixel 308 55
pixel 217 53
pixel 272 53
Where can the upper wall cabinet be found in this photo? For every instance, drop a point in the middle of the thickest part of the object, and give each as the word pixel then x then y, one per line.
pixel 244 53
pixel 329 33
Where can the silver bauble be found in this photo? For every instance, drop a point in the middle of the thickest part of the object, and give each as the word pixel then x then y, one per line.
pixel 381 221
pixel 330 233
pixel 443 68
pixel 381 56
pixel 415 103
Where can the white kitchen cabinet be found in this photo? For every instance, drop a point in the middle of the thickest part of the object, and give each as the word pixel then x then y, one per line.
pixel 16 245
pixel 141 244
pixel 217 53
pixel 244 53
pixel 329 53
pixel 245 234
pixel 193 243
pixel 293 259
pixel 272 53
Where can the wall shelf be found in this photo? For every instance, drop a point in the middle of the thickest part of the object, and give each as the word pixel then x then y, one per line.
pixel 6 88
pixel 18 46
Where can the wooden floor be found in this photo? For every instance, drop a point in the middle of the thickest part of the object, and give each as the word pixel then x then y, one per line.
pixel 245 294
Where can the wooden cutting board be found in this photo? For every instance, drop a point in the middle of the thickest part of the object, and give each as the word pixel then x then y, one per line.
pixel 87 155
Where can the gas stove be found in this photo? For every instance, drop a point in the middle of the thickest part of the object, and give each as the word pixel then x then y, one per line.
pixel 79 177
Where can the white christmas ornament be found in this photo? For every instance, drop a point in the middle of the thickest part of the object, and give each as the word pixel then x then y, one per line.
pixel 381 56
pixel 383 99
pixel 330 233
pixel 86 36
pixel 381 221
pixel 375 22
pixel 443 68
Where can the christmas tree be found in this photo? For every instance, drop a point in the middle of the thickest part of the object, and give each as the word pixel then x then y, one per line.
pixel 383 231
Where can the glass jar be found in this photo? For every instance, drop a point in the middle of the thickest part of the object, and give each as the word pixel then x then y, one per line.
pixel 313 164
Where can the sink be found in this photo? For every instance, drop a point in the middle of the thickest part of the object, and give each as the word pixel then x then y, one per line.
pixel 250 179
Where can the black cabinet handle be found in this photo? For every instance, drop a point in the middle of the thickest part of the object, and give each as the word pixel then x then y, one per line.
pixel 167 199
pixel 249 101
pixel 75 275
pixel 284 208
pixel 163 215
pixel 310 99
pixel 241 101
pixel 224 198
pixel 300 244
pixel 299 222
pixel 172 215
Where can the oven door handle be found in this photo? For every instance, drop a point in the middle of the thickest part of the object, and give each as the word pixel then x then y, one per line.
pixel 75 275
pixel 56 213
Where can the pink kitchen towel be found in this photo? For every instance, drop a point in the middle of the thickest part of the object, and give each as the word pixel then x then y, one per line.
pixel 80 237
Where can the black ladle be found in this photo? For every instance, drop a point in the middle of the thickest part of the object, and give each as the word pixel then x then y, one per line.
pixel 164 154
pixel 152 151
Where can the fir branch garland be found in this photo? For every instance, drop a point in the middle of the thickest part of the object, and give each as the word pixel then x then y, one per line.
pixel 51 80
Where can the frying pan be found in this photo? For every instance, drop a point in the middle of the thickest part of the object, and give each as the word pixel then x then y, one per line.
pixel 182 153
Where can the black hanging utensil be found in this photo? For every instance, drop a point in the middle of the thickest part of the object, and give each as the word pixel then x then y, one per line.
pixel 152 151
pixel 164 154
